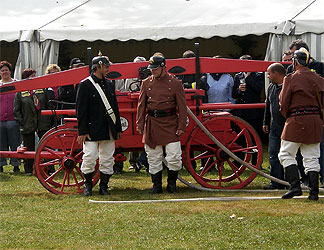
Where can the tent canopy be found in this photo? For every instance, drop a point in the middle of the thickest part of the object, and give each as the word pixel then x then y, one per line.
pixel 124 20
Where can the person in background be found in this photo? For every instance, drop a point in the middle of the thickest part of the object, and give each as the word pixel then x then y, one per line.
pixel 273 122
pixel 9 128
pixel 99 124
pixel 304 124
pixel 136 161
pixel 287 56
pixel 164 97
pixel 220 87
pixel 189 80
pixel 27 112
pixel 52 92
pixel 67 93
pixel 248 88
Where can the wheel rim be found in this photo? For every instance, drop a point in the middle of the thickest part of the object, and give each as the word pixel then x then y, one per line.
pixel 239 137
pixel 61 150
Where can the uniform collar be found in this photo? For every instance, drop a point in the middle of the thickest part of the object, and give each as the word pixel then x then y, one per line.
pixel 96 79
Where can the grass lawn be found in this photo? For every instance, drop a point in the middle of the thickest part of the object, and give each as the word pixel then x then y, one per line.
pixel 33 218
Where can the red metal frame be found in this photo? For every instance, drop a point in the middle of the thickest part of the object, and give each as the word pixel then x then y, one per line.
pixel 56 148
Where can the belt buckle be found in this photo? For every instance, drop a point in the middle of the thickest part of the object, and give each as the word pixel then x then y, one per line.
pixel 155 113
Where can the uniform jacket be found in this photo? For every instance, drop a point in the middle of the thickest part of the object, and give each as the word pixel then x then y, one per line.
pixel 26 114
pixel 272 114
pixel 252 94
pixel 91 111
pixel 161 94
pixel 298 92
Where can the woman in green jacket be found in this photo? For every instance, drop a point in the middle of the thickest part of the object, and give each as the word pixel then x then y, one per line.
pixel 27 112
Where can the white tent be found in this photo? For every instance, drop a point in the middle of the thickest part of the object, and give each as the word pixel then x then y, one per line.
pixel 39 26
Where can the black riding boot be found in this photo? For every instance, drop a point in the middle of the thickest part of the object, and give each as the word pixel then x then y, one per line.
pixel 157 183
pixel 118 167
pixel 103 186
pixel 172 180
pixel 313 185
pixel 292 176
pixel 87 184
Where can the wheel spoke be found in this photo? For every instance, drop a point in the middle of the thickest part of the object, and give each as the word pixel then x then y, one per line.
pixel 53 152
pixel 68 178
pixel 73 144
pixel 235 170
pixel 220 167
pixel 62 144
pixel 237 136
pixel 63 182
pixel 52 162
pixel 226 128
pixel 76 181
pixel 247 150
pixel 204 144
pixel 78 155
pixel 202 156
pixel 79 172
pixel 51 177
pixel 207 167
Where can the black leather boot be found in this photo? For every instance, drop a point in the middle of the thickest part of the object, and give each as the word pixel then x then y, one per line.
pixel 118 167
pixel 157 183
pixel 172 180
pixel 87 184
pixel 292 176
pixel 103 186
pixel 313 185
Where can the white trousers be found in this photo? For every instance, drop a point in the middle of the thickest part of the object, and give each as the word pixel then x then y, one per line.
pixel 105 150
pixel 310 153
pixel 173 157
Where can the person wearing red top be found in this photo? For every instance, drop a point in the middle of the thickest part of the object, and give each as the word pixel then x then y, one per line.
pixel 9 128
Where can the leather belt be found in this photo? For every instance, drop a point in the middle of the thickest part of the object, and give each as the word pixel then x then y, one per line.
pixel 161 113
pixel 304 111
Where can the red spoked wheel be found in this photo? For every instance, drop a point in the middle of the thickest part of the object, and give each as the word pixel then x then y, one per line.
pixel 58 162
pixel 210 166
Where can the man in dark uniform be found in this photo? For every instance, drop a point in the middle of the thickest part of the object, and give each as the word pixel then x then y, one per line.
pixel 98 124
pixel 304 125
pixel 164 97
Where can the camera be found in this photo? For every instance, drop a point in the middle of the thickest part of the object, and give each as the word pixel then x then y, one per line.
pixel 143 72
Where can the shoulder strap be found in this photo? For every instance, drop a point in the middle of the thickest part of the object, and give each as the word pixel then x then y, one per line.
pixel 109 110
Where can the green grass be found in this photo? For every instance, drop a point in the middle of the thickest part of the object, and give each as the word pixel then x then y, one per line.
pixel 33 218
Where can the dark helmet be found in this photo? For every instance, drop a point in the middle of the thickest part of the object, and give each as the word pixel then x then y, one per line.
pixel 302 56
pixel 76 62
pixel 100 59
pixel 156 61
